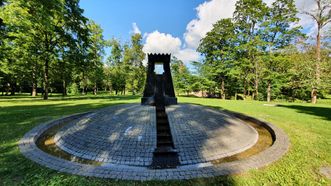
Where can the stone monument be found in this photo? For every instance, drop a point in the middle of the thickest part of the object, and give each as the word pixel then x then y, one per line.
pixel 159 88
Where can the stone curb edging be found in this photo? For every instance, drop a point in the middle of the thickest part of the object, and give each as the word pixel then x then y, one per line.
pixel 30 150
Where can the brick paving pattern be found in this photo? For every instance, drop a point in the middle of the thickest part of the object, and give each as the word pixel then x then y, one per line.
pixel 133 126
pixel 124 134
pixel 201 134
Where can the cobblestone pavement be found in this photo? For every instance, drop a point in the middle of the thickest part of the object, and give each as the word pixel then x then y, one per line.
pixel 201 134
pixel 124 134
pixel 117 135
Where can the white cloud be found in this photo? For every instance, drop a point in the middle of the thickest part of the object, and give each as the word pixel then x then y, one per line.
pixel 208 13
pixel 187 55
pixel 157 42
pixel 269 2
pixel 135 29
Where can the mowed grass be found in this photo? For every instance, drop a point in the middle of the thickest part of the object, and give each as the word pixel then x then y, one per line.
pixel 308 127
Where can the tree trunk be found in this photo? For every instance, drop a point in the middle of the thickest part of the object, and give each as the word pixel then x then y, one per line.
pixel 34 90
pixel 314 95
pixel 245 88
pixel 223 89
pixel 95 89
pixel 46 83
pixel 64 83
pixel 20 89
pixel 318 68
pixel 64 87
pixel 13 89
pixel 269 92
pixel 256 82
pixel 7 88
pixel 34 82
pixel 133 91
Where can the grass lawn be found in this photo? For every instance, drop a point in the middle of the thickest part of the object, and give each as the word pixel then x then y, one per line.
pixel 308 127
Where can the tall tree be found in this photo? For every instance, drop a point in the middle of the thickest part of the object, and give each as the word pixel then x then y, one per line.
pixel 45 25
pixel 248 16
pixel 95 54
pixel 217 47
pixel 116 52
pixel 278 33
pixel 17 46
pixel 133 58
pixel 322 17
pixel 116 66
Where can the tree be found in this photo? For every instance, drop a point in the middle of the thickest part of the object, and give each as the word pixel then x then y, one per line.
pixel 95 54
pixel 17 48
pixel 69 52
pixel 322 17
pixel 248 16
pixel 44 26
pixel 278 33
pixel 217 47
pixel 116 70
pixel 116 53
pixel 181 76
pixel 133 57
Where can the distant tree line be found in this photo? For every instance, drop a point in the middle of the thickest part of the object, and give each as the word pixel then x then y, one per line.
pixel 49 46
pixel 261 53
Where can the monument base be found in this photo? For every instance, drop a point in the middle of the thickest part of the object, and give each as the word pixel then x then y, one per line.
pixel 148 100
pixel 170 100
pixel 151 100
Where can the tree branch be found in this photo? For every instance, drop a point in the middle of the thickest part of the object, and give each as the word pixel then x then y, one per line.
pixel 311 15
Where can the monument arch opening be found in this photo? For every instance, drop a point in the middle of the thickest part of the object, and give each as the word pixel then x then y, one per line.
pixel 159 86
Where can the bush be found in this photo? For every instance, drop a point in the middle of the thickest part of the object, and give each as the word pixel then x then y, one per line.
pixel 73 89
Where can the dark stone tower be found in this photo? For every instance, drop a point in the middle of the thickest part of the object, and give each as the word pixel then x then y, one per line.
pixel 159 88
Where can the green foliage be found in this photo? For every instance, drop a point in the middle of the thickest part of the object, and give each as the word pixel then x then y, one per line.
pixel 41 34
pixel 181 76
pixel 116 53
pixel 73 89
pixel 259 53
pixel 125 68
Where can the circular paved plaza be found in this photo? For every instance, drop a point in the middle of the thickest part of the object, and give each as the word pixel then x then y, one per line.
pixel 122 140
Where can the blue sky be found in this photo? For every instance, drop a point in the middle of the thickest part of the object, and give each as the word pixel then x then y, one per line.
pixel 116 16
pixel 169 26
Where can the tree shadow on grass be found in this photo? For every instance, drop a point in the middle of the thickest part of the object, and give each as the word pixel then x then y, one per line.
pixel 322 112
pixel 15 121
